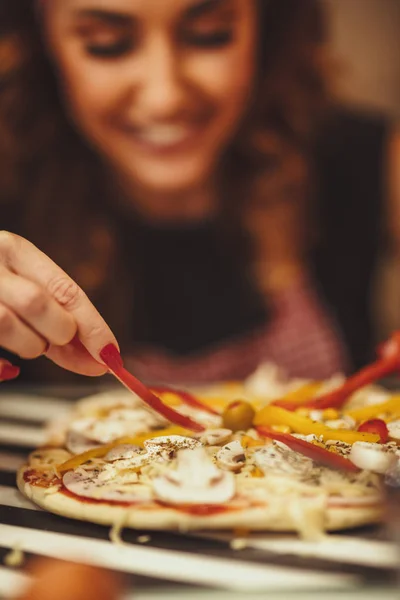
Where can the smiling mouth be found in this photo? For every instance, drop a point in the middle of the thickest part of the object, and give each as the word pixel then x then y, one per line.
pixel 164 138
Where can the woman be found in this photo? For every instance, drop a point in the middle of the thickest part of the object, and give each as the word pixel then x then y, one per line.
pixel 165 154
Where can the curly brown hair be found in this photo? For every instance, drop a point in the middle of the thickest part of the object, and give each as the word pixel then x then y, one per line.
pixel 57 187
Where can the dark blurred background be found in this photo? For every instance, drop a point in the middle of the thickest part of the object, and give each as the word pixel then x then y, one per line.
pixel 364 41
pixel 365 38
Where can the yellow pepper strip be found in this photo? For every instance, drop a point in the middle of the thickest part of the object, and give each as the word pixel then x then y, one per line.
pixel 330 414
pixel 274 415
pixel 79 459
pixel 281 428
pixel 169 398
pixel 301 394
pixel 249 442
pixel 348 436
pixel 367 412
pixel 136 440
pixel 140 438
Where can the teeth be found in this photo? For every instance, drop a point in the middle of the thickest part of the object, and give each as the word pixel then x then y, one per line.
pixel 164 134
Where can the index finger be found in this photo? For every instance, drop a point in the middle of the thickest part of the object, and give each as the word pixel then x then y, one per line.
pixel 27 260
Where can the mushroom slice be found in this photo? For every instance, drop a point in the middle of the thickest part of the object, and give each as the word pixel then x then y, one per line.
pixel 48 457
pixel 142 416
pixel 231 457
pixel 166 446
pixel 102 431
pixel 196 480
pixel 372 457
pixel 124 452
pixel 99 485
pixel 215 437
pixel 278 459
pixel 77 443
pixel 92 431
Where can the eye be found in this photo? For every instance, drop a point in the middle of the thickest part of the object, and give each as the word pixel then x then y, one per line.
pixel 212 39
pixel 114 50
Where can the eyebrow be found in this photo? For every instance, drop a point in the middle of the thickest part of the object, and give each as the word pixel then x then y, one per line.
pixel 119 19
pixel 109 17
pixel 204 7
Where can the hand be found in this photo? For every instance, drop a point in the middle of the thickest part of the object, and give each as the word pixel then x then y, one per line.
pixel 69 581
pixel 43 311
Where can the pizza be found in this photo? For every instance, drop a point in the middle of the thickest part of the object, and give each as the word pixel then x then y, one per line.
pixel 261 460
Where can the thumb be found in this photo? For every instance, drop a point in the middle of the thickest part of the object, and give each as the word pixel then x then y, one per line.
pixel 75 357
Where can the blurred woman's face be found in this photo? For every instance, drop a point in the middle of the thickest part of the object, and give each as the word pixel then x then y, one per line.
pixel 157 86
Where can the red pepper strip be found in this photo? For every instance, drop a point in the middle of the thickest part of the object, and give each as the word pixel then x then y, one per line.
pixel 373 372
pixel 336 398
pixel 316 453
pixel 186 397
pixel 376 426
pixel 113 360
pixel 388 363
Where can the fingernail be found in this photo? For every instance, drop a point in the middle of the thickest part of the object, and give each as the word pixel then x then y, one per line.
pixel 111 357
pixel 9 372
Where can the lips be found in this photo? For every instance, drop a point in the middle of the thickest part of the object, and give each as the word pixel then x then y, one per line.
pixel 164 138
pixel 165 135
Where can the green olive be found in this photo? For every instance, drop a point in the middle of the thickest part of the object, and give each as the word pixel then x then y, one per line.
pixel 238 416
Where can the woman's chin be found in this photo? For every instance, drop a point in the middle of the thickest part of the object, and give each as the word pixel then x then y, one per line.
pixel 166 180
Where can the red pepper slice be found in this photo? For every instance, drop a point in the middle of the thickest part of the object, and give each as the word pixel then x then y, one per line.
pixel 186 397
pixel 376 426
pixel 388 363
pixel 367 375
pixel 316 453
pixel 113 360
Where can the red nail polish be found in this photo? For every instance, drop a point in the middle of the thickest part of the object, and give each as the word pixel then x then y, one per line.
pixel 9 372
pixel 111 357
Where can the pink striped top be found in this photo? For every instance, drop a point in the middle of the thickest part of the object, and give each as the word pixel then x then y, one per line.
pixel 303 339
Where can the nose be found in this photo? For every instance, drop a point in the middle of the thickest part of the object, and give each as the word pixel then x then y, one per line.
pixel 163 92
